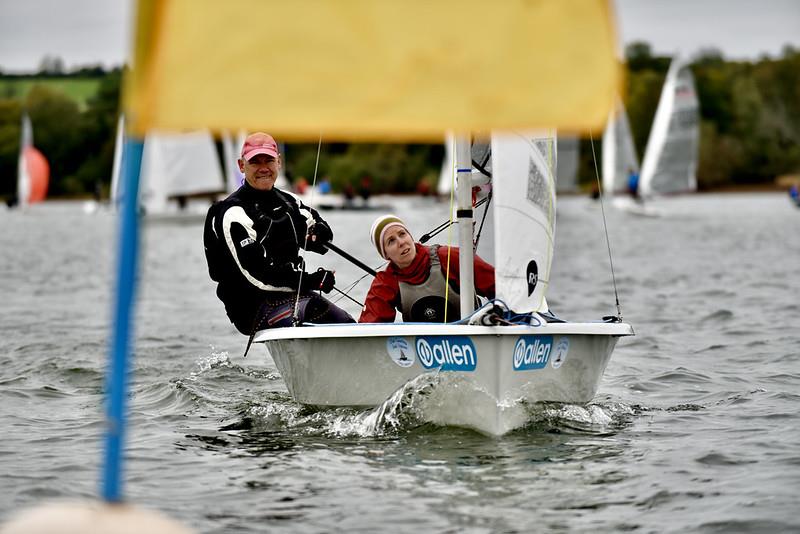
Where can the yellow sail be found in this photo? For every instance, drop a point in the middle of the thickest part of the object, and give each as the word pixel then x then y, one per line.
pixel 372 69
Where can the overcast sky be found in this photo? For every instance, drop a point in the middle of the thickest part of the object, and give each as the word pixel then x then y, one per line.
pixel 84 32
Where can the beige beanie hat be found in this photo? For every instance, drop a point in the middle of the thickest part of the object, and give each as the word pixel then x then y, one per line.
pixel 378 230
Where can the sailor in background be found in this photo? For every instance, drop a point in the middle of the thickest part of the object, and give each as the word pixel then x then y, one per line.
pixel 633 184
pixel 414 280
pixel 252 243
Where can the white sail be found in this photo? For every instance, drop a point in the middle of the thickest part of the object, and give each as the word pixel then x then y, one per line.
pixel 23 174
pixel 619 153
pixel 523 178
pixel 670 161
pixel 447 173
pixel 116 167
pixel 567 174
pixel 178 165
pixel 281 182
pixel 230 151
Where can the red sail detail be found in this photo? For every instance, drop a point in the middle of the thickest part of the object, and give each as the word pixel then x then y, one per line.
pixel 39 172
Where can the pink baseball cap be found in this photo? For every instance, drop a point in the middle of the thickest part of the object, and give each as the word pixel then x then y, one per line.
pixel 259 143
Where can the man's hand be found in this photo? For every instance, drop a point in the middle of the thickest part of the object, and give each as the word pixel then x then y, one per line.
pixel 322 280
pixel 319 234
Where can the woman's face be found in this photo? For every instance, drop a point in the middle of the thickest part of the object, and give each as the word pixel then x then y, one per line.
pixel 399 246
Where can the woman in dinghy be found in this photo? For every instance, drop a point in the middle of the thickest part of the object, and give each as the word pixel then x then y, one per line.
pixel 413 282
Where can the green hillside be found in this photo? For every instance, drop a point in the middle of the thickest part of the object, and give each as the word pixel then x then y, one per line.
pixel 78 89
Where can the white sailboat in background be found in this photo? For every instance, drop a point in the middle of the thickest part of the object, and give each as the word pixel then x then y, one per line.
pixel 619 153
pixel 23 175
pixel 178 169
pixel 670 161
pixel 481 375
pixel 33 170
pixel 180 174
pixel 620 163
pixel 568 159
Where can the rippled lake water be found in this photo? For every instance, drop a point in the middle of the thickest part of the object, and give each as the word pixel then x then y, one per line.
pixel 695 426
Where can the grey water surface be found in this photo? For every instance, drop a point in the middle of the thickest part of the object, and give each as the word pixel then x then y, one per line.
pixel 695 427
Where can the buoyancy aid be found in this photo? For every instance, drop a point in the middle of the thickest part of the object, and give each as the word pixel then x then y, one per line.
pixel 425 302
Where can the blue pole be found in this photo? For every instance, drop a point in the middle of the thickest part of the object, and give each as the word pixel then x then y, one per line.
pixel 116 380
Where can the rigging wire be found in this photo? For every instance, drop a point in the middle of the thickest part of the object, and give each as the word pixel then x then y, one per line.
pixel 349 288
pixel 605 229
pixel 305 243
pixel 344 294
pixel 488 199
pixel 427 237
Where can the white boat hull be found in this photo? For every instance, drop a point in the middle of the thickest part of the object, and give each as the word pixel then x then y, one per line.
pixel 488 374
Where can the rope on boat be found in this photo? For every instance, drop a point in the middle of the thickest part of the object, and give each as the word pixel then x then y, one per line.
pixel 344 294
pixel 605 229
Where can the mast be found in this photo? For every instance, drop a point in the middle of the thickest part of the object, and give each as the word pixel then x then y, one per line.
pixel 464 215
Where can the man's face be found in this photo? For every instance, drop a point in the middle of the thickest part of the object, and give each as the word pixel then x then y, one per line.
pixel 399 246
pixel 260 171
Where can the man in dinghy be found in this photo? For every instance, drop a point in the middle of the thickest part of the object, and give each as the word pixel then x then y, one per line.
pixel 414 281
pixel 252 243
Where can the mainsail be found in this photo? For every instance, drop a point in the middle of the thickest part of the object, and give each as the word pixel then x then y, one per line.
pixel 619 153
pixel 524 198
pixel 670 161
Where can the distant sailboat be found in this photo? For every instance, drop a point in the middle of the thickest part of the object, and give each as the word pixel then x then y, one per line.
pixel 568 149
pixel 177 168
pixel 670 161
pixel 33 170
pixel 619 153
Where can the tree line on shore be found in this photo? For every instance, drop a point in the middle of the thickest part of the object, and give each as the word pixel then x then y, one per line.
pixel 750 129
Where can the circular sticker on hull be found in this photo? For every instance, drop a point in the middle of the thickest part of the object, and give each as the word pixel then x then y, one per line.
pixel 400 351
pixel 560 352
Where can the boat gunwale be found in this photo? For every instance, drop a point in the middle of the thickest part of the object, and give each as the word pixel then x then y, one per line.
pixel 428 329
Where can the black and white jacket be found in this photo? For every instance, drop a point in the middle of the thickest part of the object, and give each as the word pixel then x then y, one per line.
pixel 252 243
